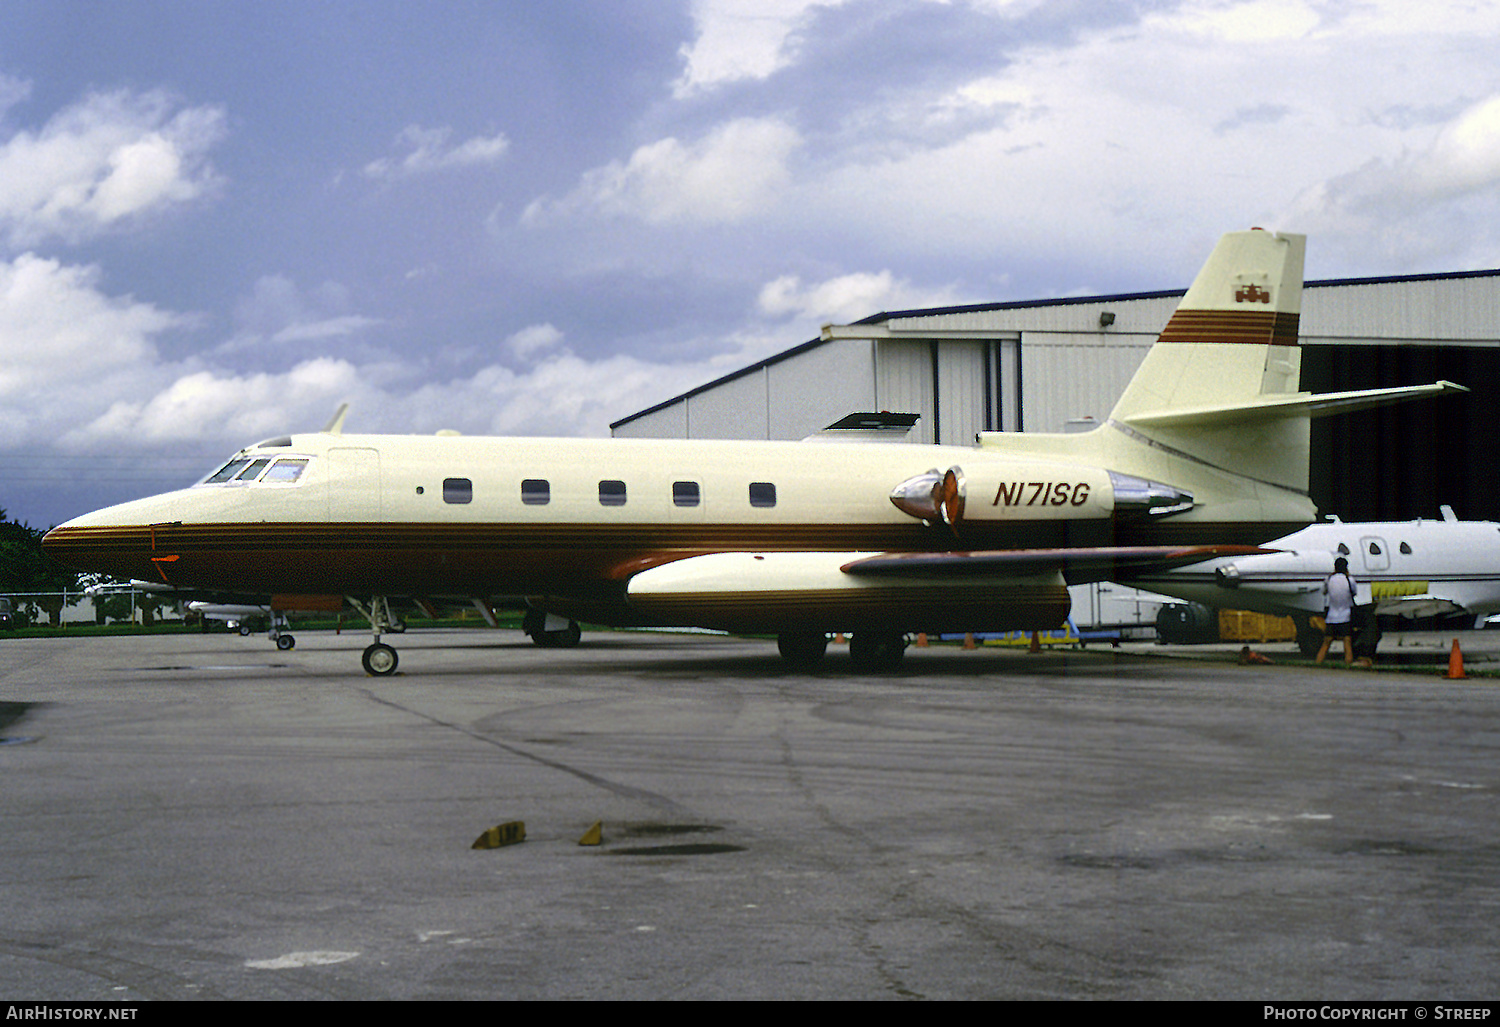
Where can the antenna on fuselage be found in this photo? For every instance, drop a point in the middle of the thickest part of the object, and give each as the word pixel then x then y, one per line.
pixel 335 425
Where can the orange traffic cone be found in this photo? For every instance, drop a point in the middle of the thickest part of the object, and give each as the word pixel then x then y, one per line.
pixel 968 640
pixel 1456 662
pixel 921 639
pixel 1036 643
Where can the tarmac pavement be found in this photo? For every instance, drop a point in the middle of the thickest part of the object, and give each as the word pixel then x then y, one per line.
pixel 203 817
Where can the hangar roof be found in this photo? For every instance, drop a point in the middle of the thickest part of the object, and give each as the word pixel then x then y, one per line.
pixel 885 316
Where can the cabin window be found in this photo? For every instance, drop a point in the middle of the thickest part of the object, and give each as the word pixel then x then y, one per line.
pixel 762 493
pixel 612 493
pixel 536 491
pixel 686 493
pixel 1343 549
pixel 458 490
pixel 1405 549
pixel 1374 549
pixel 285 472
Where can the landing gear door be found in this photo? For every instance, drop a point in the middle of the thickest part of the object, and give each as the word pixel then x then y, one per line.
pixel 1377 553
pixel 354 484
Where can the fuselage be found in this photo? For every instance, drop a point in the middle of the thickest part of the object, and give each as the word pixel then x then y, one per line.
pixel 476 516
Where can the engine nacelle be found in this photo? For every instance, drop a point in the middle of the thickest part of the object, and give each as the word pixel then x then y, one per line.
pixel 1035 491
pixel 1289 573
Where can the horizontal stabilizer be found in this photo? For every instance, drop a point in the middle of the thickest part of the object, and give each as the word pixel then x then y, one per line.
pixel 1301 404
pixel 1078 566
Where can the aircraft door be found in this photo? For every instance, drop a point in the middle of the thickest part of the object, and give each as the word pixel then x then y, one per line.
pixel 354 487
pixel 1377 553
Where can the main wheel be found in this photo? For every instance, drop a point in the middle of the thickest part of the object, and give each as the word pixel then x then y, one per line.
pixel 1309 638
pixel 802 650
pixel 285 642
pixel 881 650
pixel 563 638
pixel 380 660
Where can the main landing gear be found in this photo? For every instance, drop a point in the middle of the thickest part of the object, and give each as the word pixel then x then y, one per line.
pixel 278 633
pixel 869 651
pixel 379 659
pixel 551 631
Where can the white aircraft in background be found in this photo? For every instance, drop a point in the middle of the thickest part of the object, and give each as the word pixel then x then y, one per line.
pixel 1206 454
pixel 236 616
pixel 1411 569
pixel 273 614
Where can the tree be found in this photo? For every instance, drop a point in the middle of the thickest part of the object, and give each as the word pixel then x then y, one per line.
pixel 24 567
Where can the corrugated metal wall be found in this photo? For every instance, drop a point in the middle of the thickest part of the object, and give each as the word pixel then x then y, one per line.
pixel 1396 463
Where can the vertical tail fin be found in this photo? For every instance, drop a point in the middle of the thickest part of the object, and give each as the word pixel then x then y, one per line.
pixel 1231 344
pixel 1233 337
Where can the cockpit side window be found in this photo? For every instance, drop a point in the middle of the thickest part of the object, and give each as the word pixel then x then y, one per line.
pixel 226 472
pixel 285 471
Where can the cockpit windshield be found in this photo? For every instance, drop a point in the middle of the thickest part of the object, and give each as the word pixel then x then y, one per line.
pixel 245 470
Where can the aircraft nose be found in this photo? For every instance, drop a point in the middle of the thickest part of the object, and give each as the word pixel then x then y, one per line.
pixel 121 550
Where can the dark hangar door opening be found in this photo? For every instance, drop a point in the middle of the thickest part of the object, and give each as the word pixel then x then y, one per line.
pixel 1401 462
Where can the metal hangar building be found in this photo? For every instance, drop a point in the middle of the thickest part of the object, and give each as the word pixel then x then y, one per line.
pixel 1059 365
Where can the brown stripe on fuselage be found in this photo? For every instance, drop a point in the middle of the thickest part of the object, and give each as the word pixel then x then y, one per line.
pixel 507 558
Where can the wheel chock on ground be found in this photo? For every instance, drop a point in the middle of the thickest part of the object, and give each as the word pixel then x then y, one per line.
pixel 509 833
pixel 594 835
pixel 1456 663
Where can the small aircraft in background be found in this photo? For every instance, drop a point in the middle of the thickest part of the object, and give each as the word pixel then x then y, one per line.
pixel 272 613
pixel 1408 569
pixel 1205 455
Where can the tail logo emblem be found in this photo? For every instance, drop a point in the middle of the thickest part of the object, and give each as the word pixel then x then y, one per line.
pixel 1252 294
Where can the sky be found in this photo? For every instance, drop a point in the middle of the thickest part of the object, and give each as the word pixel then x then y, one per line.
pixel 220 220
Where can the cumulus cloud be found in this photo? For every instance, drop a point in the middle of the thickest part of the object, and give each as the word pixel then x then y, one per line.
pixel 12 91
pixel 83 371
pixel 1425 204
pixel 848 297
pixel 741 39
pixel 533 340
pixel 278 311
pixel 58 330
pixel 111 158
pixel 200 405
pixel 733 171
pixel 426 150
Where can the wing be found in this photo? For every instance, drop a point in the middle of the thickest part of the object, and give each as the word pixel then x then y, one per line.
pixel 1078 566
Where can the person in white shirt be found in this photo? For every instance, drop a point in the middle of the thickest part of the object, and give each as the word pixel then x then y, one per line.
pixel 1340 593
